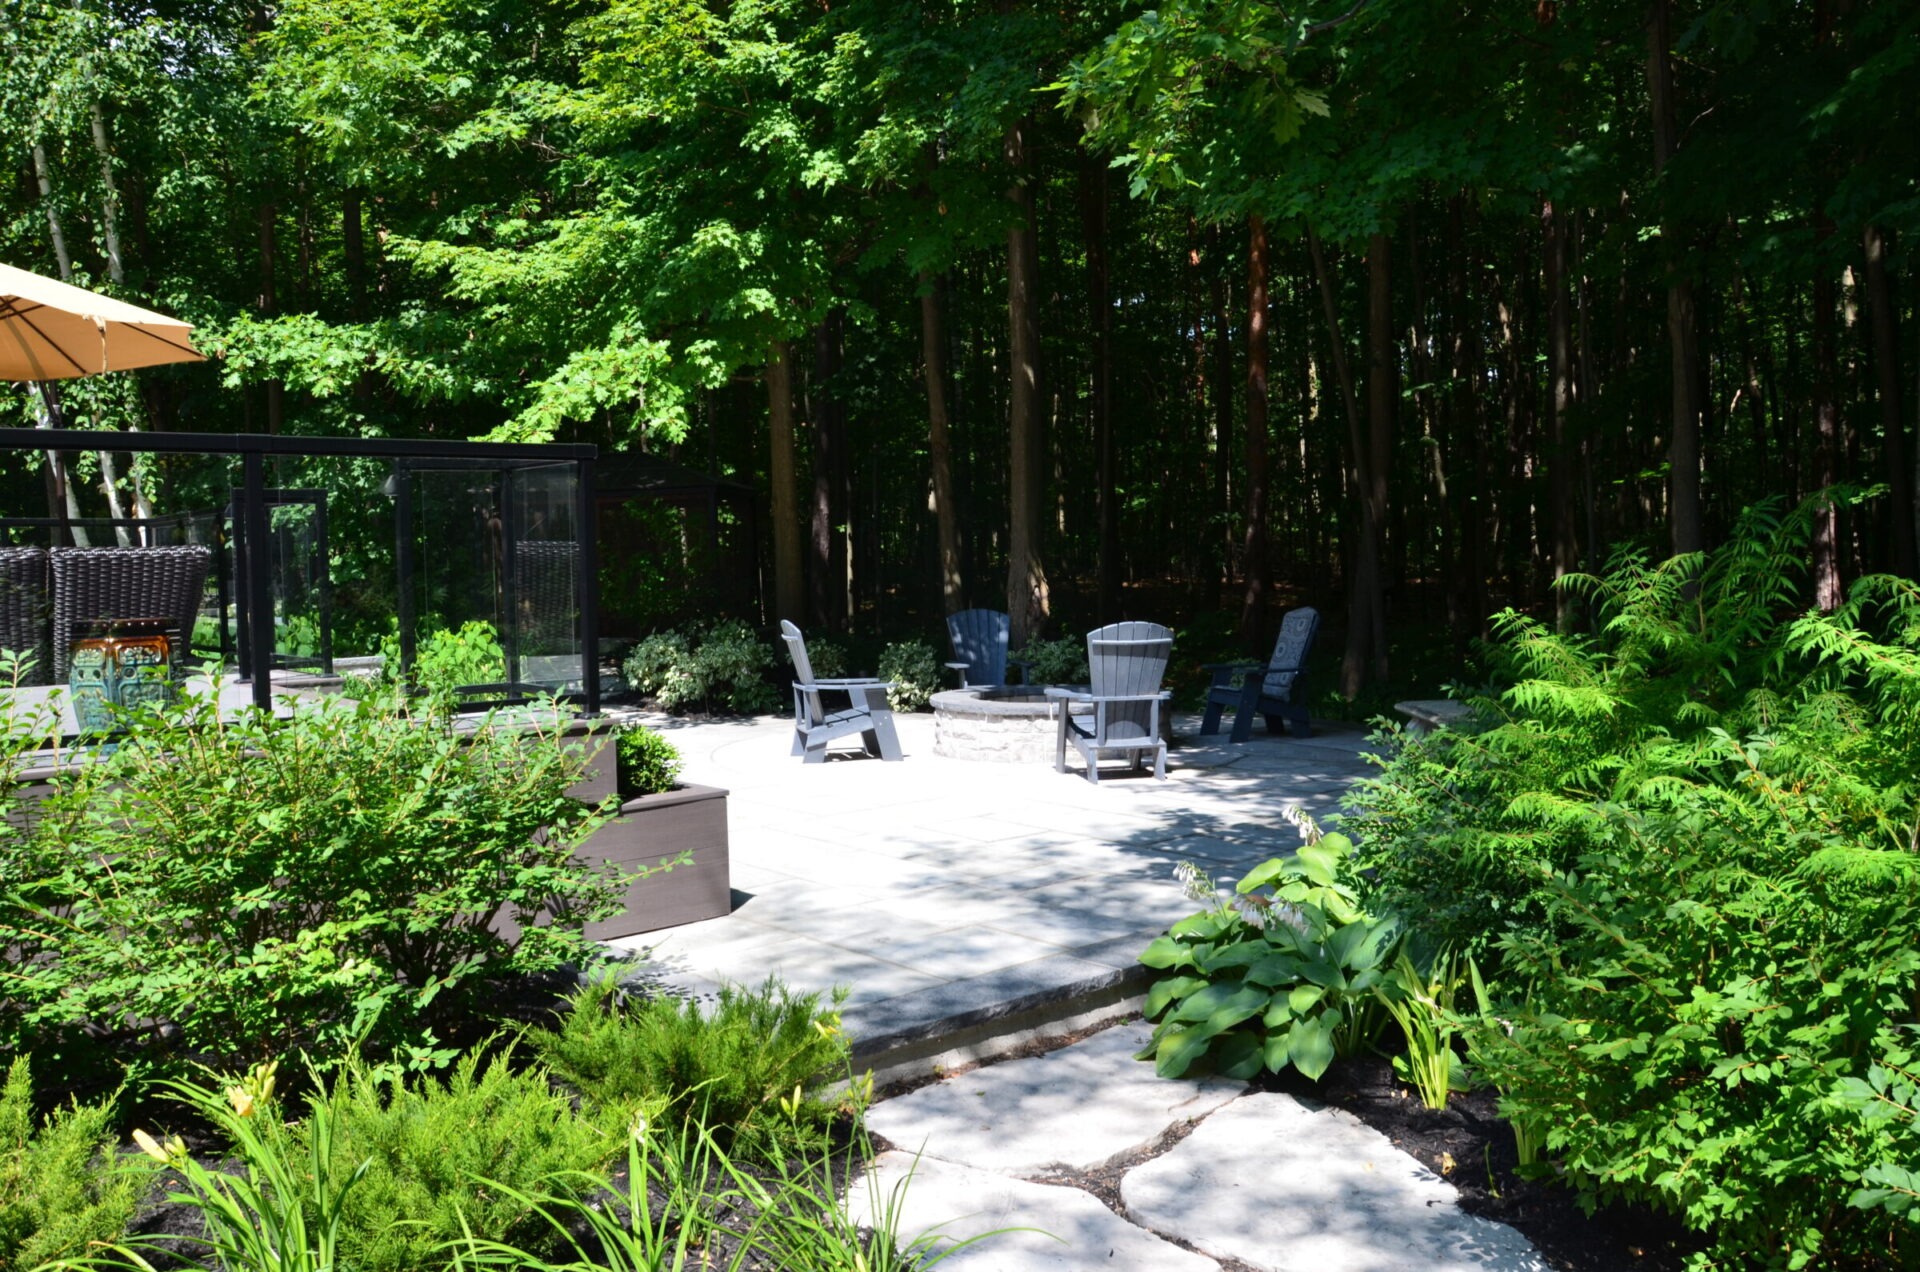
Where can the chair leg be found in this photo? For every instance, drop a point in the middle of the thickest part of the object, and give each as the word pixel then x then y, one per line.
pixel 1210 723
pixel 1244 713
pixel 1060 742
pixel 1160 761
pixel 799 742
pixel 816 752
pixel 1297 716
pixel 881 736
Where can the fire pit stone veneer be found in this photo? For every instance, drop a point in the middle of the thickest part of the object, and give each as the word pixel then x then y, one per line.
pixel 1009 724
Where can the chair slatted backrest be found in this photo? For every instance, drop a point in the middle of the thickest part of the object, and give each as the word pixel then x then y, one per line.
pixel 979 639
pixel 95 585
pixel 1127 660
pixel 24 610
pixel 803 670
pixel 1290 650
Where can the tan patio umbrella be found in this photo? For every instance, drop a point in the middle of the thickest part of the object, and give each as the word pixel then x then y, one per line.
pixel 50 330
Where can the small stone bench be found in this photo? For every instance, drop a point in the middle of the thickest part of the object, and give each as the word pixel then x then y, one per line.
pixel 1427 714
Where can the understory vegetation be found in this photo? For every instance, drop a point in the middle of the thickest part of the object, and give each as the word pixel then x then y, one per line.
pixel 1658 891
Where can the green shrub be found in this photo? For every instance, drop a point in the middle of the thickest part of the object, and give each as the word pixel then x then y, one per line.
pixel 1274 978
pixel 1054 662
pixel 443 1156
pixel 448 658
pixel 737 1066
pixel 1699 826
pixel 828 657
pixel 236 889
pixel 648 763
pixel 913 669
pixel 60 1185
pixel 722 663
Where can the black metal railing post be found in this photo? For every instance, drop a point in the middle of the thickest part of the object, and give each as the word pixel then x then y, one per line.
pixel 259 585
pixel 587 585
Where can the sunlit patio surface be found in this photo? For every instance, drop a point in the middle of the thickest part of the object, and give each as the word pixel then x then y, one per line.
pixel 963 898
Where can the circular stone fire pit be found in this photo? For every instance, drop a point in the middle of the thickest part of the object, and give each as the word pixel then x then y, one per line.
pixel 1010 724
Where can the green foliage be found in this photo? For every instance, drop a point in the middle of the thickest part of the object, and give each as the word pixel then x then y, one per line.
pixel 1421 1003
pixel 721 663
pixel 1468 826
pixel 744 1066
pixel 436 1159
pixel 648 763
pixel 1887 1102
pixel 60 1185
pixel 282 1212
pixel 1701 823
pixel 913 669
pixel 448 658
pixel 1275 978
pixel 828 657
pixel 234 889
pixel 1054 662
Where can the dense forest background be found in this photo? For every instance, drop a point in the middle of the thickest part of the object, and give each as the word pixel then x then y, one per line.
pixel 1081 311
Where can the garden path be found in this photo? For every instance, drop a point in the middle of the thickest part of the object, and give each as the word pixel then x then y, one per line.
pixel 1108 1166
pixel 965 901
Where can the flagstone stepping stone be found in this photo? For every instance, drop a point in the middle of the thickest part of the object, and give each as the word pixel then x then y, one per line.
pixel 1282 1187
pixel 1075 1107
pixel 956 1202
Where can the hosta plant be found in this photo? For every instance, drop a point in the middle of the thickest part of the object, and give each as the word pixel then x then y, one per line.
pixel 1276 976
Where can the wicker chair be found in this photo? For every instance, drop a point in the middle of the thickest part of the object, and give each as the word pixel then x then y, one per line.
pixel 99 585
pixel 544 578
pixel 23 609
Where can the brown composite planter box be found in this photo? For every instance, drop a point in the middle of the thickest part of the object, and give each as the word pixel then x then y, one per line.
pixel 652 830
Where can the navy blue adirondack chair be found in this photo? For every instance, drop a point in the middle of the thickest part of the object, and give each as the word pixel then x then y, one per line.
pixel 979 640
pixel 814 725
pixel 1276 690
pixel 1127 662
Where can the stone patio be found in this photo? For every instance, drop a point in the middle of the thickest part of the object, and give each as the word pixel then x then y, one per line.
pixel 964 900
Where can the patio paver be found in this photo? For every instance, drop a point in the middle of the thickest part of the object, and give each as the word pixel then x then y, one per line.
pixel 946 892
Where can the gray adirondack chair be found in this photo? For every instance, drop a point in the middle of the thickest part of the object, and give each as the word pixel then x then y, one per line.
pixel 1276 690
pixel 814 725
pixel 1127 662
pixel 979 640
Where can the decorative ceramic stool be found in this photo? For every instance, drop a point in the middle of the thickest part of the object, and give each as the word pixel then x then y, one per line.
pixel 127 663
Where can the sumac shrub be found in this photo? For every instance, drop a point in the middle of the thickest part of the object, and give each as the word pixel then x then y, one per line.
pixel 230 890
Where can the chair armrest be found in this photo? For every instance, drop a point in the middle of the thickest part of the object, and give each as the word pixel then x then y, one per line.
pixel 1239 665
pixel 1162 696
pixel 956 666
pixel 818 685
pixel 1069 695
pixel 847 682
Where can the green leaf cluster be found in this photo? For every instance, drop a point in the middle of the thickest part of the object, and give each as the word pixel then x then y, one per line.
pixel 233 889
pixel 648 762
pixel 61 1186
pixel 1282 978
pixel 719 664
pixel 1689 841
pixel 913 669
pixel 748 1066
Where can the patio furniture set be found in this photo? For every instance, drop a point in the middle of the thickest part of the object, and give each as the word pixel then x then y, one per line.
pixel 1119 712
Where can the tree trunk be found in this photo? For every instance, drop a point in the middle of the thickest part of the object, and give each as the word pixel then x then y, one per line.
pixel 353 246
pixel 1028 599
pixel 1553 247
pixel 1254 566
pixel 789 587
pixel 827 564
pixel 268 305
pixel 1826 423
pixel 1093 216
pixel 933 354
pixel 1222 410
pixel 62 499
pixel 1893 428
pixel 1366 656
pixel 1684 509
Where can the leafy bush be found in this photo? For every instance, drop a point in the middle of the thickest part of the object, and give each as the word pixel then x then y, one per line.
pixel 1054 662
pixel 648 763
pixel 1274 978
pixel 448 658
pixel 443 1157
pixel 722 662
pixel 60 1186
pixel 241 888
pixel 913 669
pixel 828 658
pixel 737 1067
pixel 1700 826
